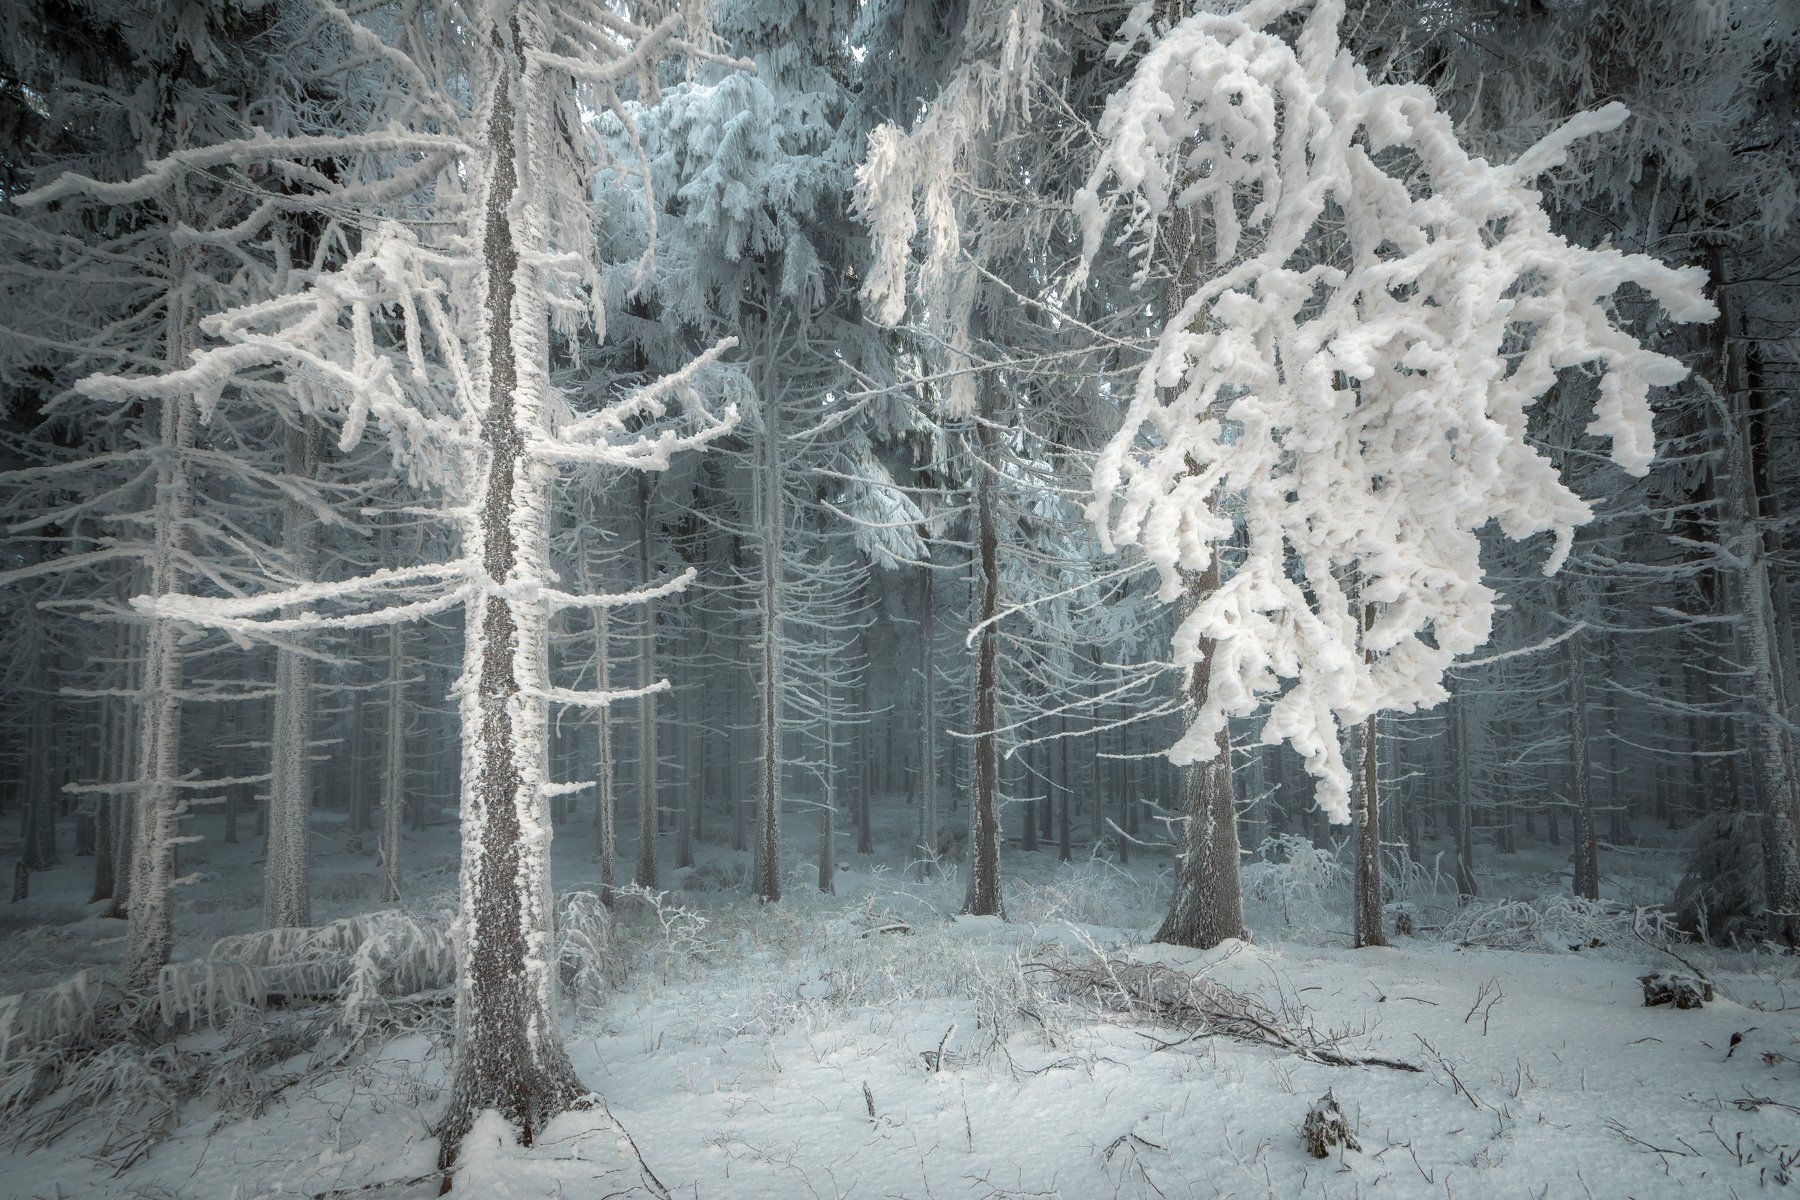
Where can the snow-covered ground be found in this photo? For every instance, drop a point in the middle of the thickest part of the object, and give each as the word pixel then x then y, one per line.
pixel 791 1051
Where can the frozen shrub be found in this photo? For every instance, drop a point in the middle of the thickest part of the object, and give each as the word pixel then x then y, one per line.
pixel 733 876
pixel 587 961
pixel 1091 893
pixel 1293 875
pixel 1557 924
pixel 87 1049
pixel 1674 987
pixel 1720 896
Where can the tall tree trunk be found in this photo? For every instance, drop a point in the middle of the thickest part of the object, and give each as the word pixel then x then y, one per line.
pixel 649 811
pixel 358 783
pixel 982 897
pixel 767 884
pixel 393 774
pixel 40 791
pixel 1746 547
pixel 865 829
pixel 1462 801
pixel 1064 848
pixel 157 805
pixel 508 1054
pixel 605 804
pixel 927 768
pixel 287 900
pixel 1028 783
pixel 828 809
pixel 1586 836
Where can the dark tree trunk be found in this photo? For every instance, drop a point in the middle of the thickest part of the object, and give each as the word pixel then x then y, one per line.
pixel 1207 906
pixel 983 895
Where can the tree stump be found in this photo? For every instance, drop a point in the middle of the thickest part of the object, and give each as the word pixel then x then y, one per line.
pixel 1325 1127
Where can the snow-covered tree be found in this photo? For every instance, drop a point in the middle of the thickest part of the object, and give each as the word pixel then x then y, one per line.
pixel 506 263
pixel 1379 311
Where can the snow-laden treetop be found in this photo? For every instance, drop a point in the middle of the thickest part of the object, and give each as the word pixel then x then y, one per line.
pixel 1362 316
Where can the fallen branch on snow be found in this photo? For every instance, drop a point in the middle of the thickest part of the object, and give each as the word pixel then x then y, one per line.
pixel 1200 1006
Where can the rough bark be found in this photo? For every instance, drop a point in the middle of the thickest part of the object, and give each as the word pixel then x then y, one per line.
pixel 508 1054
pixel 157 805
pixel 1207 906
pixel 287 900
pixel 982 897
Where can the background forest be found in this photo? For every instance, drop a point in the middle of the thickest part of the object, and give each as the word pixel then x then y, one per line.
pixel 828 454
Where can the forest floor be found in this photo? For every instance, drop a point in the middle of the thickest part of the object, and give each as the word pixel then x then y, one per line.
pixel 871 1044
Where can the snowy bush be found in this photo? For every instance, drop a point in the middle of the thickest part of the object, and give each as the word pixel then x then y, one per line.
pixel 1558 924
pixel 356 961
pixel 89 1049
pixel 1721 895
pixel 1298 878
pixel 732 876
pixel 1090 893
pixel 673 933
pixel 587 961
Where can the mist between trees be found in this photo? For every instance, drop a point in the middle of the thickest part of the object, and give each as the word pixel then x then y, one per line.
pixel 1160 433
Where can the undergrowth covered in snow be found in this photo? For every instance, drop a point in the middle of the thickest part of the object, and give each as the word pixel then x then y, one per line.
pixel 874 1042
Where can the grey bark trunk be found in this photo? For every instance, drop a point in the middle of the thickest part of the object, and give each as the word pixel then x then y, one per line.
pixel 927 767
pixel 982 898
pixel 1207 906
pixel 287 900
pixel 393 775
pixel 508 1055
pixel 648 767
pixel 157 805
pixel 767 884
pixel 1586 839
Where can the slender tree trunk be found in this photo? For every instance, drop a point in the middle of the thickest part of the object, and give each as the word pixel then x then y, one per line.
pixel 157 805
pixel 648 767
pixel 1462 801
pixel 927 769
pixel 1028 828
pixel 767 885
pixel 865 829
pixel 508 1055
pixel 1064 846
pixel 393 774
pixel 982 898
pixel 828 809
pixel 1586 836
pixel 684 825
pixel 40 791
pixel 287 901
pixel 358 783
pixel 605 805
pixel 1368 929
